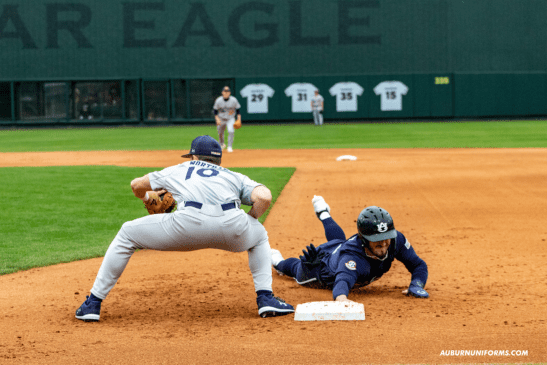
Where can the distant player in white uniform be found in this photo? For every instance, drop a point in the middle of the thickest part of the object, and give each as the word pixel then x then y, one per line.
pixel 317 104
pixel 392 95
pixel 226 109
pixel 208 216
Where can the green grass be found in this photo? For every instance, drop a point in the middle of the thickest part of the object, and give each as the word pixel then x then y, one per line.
pixel 523 133
pixel 62 214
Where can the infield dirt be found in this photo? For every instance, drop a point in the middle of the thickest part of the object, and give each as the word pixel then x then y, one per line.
pixel 476 216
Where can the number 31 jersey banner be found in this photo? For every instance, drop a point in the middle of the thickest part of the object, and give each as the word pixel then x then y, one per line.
pixel 257 97
pixel 301 94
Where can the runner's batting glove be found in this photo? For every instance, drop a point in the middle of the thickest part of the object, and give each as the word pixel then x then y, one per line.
pixel 311 258
pixel 416 289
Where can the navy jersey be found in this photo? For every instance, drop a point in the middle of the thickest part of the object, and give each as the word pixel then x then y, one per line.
pixel 347 266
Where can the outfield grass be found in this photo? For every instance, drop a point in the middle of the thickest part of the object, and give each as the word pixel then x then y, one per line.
pixel 356 135
pixel 63 214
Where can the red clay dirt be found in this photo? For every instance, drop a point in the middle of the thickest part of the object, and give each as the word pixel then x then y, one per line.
pixel 476 216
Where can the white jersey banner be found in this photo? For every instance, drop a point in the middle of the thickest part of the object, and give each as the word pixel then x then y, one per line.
pixel 392 95
pixel 301 94
pixel 257 97
pixel 346 95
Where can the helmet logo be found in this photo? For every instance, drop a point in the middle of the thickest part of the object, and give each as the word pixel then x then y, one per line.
pixel 382 227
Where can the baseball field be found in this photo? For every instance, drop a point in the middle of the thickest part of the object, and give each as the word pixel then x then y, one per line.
pixel 471 197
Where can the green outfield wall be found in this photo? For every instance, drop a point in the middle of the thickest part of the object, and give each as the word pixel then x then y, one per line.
pixel 158 61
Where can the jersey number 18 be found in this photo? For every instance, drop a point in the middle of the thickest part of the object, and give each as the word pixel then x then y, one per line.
pixel 202 172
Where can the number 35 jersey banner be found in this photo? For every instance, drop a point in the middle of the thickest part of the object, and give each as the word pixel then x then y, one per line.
pixel 301 94
pixel 391 92
pixel 257 97
pixel 346 95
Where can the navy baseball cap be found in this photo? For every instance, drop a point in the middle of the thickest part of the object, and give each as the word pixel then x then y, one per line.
pixel 204 146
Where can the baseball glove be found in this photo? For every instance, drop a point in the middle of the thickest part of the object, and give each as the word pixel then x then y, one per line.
pixel 237 124
pixel 160 202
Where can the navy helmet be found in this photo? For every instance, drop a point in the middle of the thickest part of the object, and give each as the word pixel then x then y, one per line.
pixel 375 224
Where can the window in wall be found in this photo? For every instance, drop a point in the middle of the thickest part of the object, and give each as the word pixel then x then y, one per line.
pixel 155 100
pixel 98 100
pixel 131 100
pixel 5 101
pixel 179 95
pixel 203 94
pixel 56 99
pixel 112 103
pixel 30 100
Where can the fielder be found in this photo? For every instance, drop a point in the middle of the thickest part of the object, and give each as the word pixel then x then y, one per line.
pixel 343 264
pixel 208 216
pixel 317 103
pixel 227 110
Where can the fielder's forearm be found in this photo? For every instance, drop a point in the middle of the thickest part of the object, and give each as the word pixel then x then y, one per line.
pixel 261 197
pixel 140 186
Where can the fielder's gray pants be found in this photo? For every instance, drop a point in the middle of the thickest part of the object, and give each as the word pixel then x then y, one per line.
pixel 317 117
pixel 226 124
pixel 189 229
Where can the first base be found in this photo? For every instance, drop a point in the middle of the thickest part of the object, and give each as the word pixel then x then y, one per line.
pixel 330 311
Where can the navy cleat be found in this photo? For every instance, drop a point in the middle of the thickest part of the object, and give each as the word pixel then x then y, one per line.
pixel 270 306
pixel 90 310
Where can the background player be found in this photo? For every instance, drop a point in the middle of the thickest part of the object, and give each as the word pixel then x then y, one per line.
pixel 317 103
pixel 226 109
pixel 208 216
pixel 342 264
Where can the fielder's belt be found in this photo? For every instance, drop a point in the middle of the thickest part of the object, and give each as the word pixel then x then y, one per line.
pixel 198 205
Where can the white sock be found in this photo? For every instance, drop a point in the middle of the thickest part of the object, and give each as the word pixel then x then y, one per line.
pixel 324 215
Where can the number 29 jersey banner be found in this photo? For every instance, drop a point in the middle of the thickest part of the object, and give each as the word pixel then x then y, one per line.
pixel 257 97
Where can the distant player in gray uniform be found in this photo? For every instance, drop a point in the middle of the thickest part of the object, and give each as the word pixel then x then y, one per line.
pixel 208 216
pixel 317 108
pixel 226 109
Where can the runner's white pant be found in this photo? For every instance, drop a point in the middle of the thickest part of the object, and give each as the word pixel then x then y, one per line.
pixel 189 229
pixel 226 124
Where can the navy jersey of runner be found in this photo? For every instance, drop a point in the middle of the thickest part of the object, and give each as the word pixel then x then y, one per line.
pixel 347 266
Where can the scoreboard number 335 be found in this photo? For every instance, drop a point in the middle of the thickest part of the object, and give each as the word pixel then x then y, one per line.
pixel 442 80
